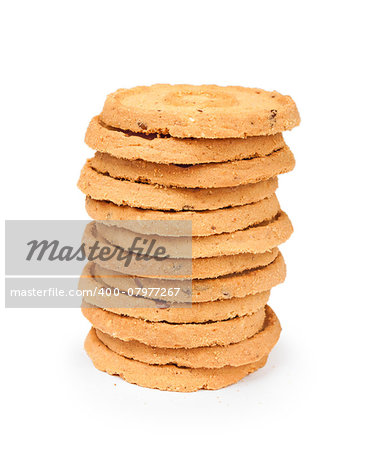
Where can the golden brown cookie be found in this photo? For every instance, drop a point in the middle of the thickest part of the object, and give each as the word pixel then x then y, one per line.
pixel 206 111
pixel 206 176
pixel 197 268
pixel 244 352
pixel 205 290
pixel 149 196
pixel 204 223
pixel 170 150
pixel 161 311
pixel 166 377
pixel 171 335
pixel 176 224
pixel 219 266
pixel 256 239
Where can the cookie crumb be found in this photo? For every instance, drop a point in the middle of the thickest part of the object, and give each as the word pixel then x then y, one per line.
pixel 142 125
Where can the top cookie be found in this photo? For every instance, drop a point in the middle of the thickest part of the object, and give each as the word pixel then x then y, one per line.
pixel 206 111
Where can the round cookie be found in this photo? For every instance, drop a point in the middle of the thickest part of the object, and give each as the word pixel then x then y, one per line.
pixel 244 352
pixel 169 335
pixel 256 239
pixel 160 311
pixel 170 150
pixel 205 290
pixel 197 268
pixel 164 377
pixel 176 224
pixel 206 111
pixel 204 223
pixel 228 174
pixel 149 196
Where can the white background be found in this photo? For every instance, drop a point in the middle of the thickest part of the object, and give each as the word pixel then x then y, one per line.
pixel 322 386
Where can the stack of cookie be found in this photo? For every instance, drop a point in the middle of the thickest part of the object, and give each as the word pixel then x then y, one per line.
pixel 208 156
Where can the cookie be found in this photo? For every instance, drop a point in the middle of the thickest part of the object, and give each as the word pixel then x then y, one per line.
pixel 169 150
pixel 206 111
pixel 166 377
pixel 217 175
pixel 205 290
pixel 161 311
pixel 197 268
pixel 149 196
pixel 177 224
pixel 244 352
pixel 204 223
pixel 255 239
pixel 219 266
pixel 170 335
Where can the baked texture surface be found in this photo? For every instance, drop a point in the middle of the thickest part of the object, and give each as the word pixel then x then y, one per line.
pixel 162 311
pixel 206 111
pixel 215 175
pixel 151 196
pixel 204 223
pixel 244 352
pixel 163 334
pixel 170 150
pixel 255 239
pixel 205 290
pixel 197 268
pixel 164 377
